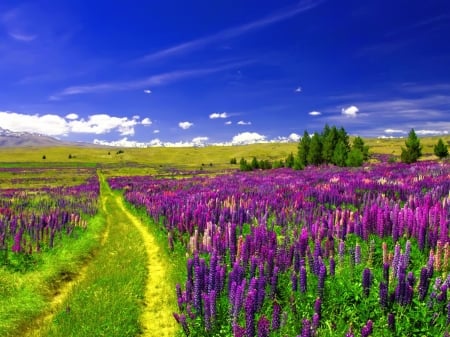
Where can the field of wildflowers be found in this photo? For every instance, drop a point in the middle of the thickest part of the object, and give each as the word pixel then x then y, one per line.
pixel 320 252
pixel 34 218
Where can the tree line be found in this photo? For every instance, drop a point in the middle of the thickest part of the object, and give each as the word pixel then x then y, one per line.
pixel 333 146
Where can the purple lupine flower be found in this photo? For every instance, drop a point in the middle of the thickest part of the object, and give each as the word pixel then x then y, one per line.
pixel 341 251
pixel 350 333
pixel 306 330
pixel 442 296
pixel 318 307
pixel 367 329
pixel 351 252
pixel 315 321
pixel 263 327
pixel 212 306
pixel 423 283
pixel 366 281
pixel 386 273
pixel 357 254
pixel 321 282
pixel 303 280
pixel 276 316
pixel 332 266
pixel 391 321
pixel 448 312
pixel 274 282
pixel 238 331
pixel 383 295
pixel 294 281
pixel 206 311
pixel 250 311
pixel 261 293
pixel 197 290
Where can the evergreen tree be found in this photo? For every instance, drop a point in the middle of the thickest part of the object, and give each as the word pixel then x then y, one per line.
pixel 329 142
pixel 303 149
pixel 290 160
pixel 440 149
pixel 355 158
pixel 358 143
pixel 254 164
pixel 413 149
pixel 340 154
pixel 314 156
pixel 243 165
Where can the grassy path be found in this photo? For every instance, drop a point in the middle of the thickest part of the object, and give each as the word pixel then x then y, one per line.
pixel 123 291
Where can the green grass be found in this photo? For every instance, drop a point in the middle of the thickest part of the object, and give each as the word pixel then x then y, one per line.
pixel 108 301
pixel 25 296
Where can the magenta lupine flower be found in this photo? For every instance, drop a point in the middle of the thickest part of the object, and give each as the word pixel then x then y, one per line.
pixel 16 247
pixel 303 280
pixel 366 281
pixel 276 316
pixel 197 290
pixel 367 329
pixel 206 311
pixel 274 282
pixel 263 327
pixel 350 333
pixel 261 292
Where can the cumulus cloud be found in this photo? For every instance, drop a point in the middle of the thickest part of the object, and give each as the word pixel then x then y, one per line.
pixel 248 138
pixel 394 131
pixel 228 122
pixel 155 131
pixel 216 115
pixel 185 125
pixel 315 113
pixel 294 137
pixel 72 116
pixel 298 89
pixel 244 123
pixel 54 125
pixel 146 121
pixel 350 111
pixel 199 141
pixel 51 125
pixel 147 91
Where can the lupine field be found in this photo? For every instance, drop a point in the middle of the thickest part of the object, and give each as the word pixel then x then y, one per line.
pixel 33 219
pixel 320 252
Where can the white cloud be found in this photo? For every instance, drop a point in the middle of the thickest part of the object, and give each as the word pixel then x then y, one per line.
pixel 228 122
pixel 146 121
pixel 248 138
pixel 103 123
pixel 394 131
pixel 218 115
pixel 199 141
pixel 185 125
pixel 147 91
pixel 22 37
pixel 294 137
pixel 156 131
pixel 350 111
pixel 51 125
pixel 54 125
pixel 298 89
pixel 315 113
pixel 431 132
pixel 72 116
pixel 244 123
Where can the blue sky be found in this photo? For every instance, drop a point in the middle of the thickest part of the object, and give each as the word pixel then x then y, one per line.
pixel 207 72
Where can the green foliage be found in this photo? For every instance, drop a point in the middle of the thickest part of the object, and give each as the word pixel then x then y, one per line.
pixel 358 143
pixel 314 156
pixel 355 158
pixel 44 157
pixel 413 150
pixel 330 139
pixel 440 149
pixel 290 160
pixel 233 161
pixel 340 154
pixel 303 149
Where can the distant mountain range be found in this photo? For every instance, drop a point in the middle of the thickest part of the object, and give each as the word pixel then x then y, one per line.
pixel 20 139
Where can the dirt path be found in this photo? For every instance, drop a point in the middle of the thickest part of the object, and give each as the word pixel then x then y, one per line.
pixel 156 319
pixel 159 299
